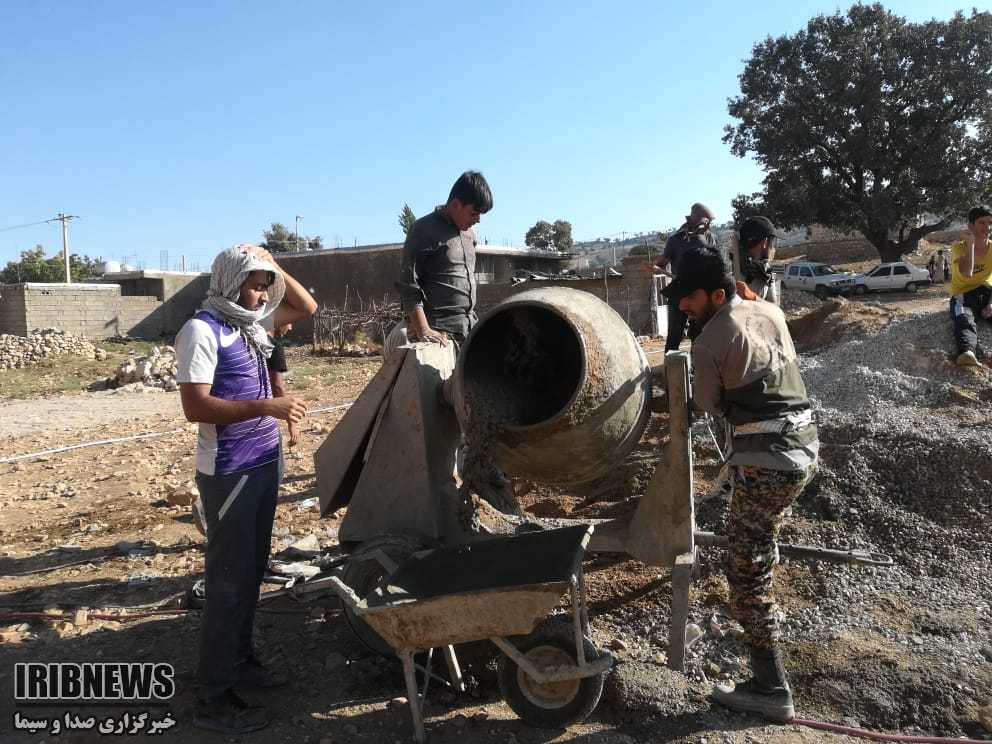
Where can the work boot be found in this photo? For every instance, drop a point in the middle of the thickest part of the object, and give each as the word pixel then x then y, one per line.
pixel 967 359
pixel 252 673
pixel 230 714
pixel 767 693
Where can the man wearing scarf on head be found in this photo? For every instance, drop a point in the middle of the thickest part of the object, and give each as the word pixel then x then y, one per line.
pixel 225 386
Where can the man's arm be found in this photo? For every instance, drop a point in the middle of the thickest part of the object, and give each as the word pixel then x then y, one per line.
pixel 707 386
pixel 201 407
pixel 412 295
pixel 966 261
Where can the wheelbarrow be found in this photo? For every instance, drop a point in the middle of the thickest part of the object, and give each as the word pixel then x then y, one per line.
pixel 500 589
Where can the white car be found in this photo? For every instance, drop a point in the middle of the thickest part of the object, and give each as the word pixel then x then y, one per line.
pixel 897 276
pixel 821 278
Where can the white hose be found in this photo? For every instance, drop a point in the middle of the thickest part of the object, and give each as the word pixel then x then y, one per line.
pixel 149 435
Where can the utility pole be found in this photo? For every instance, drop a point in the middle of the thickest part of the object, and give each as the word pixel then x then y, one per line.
pixel 298 218
pixel 183 262
pixel 65 219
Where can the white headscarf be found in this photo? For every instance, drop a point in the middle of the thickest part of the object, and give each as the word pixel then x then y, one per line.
pixel 228 273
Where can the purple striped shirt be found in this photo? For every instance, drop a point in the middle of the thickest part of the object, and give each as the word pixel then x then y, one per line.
pixel 210 351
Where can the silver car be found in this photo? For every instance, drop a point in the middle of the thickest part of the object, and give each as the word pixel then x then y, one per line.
pixel 821 278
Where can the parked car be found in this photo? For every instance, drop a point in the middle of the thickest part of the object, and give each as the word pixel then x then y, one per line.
pixel 897 276
pixel 821 278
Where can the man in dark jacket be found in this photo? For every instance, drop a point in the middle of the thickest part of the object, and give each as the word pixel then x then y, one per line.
pixel 437 278
pixel 695 231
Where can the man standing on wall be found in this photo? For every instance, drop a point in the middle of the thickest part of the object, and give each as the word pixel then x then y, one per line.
pixel 437 277
pixel 695 231
pixel 744 369
pixel 437 288
pixel 225 386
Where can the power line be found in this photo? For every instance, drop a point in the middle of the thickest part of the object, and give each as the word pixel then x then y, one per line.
pixel 27 224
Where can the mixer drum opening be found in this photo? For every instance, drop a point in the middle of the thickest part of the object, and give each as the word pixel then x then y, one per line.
pixel 523 366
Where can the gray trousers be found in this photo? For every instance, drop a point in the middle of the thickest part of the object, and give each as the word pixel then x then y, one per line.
pixel 239 510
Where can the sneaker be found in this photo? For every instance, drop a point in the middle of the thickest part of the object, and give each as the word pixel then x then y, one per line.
pixel 230 714
pixel 750 697
pixel 252 673
pixel 967 359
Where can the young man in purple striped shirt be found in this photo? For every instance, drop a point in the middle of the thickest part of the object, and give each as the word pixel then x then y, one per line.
pixel 225 386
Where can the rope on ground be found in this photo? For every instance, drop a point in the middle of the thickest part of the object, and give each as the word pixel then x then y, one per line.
pixel 148 435
pixel 879 736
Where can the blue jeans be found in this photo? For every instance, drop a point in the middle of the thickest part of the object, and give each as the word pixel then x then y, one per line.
pixel 965 309
pixel 239 509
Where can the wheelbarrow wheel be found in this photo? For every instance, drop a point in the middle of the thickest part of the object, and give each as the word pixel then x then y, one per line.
pixel 555 704
pixel 364 572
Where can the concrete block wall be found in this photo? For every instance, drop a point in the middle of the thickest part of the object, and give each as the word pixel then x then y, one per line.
pixel 86 309
pixel 629 295
pixel 138 317
pixel 13 318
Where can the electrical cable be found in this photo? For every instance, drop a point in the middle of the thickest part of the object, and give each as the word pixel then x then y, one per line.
pixel 27 224
pixel 879 736
pixel 148 435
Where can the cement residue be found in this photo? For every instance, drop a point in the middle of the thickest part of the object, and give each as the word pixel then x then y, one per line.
pixel 636 687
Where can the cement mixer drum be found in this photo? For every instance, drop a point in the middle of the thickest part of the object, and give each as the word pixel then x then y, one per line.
pixel 554 384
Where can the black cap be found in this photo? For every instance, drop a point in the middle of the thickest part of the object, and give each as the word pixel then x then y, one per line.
pixel 701 267
pixel 758 228
pixel 978 212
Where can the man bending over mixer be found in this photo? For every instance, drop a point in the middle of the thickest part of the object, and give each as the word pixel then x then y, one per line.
pixel 745 370
pixel 437 288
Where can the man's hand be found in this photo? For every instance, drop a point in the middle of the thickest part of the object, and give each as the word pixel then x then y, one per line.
pixel 294 434
pixel 417 328
pixel 428 334
pixel 288 408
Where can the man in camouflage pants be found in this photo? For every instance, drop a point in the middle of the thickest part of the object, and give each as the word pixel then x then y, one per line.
pixel 744 367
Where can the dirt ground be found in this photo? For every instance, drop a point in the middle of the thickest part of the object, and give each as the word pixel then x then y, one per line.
pixel 881 658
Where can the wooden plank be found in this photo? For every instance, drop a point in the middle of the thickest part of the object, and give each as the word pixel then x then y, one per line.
pixel 664 523
pixel 407 482
pixel 338 461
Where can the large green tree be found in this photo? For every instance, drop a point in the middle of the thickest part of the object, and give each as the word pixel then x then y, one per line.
pixel 545 236
pixel 562 236
pixel 541 235
pixel 35 266
pixel 863 121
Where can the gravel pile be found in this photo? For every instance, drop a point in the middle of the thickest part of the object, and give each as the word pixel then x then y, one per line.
pixel 905 471
pixel 21 351
pixel 157 371
pixel 908 363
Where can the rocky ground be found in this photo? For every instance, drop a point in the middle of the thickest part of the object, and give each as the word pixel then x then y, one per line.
pixel 906 472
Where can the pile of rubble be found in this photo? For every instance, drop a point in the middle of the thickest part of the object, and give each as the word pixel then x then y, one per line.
pixel 21 351
pixel 157 371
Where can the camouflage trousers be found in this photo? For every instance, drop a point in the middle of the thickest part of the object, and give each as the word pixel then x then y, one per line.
pixel 760 499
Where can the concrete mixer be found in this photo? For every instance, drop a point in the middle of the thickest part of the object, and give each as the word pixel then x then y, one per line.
pixel 557 388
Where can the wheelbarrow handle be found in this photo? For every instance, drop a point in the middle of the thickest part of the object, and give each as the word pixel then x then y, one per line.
pixel 862 557
pixel 347 595
pixel 809 552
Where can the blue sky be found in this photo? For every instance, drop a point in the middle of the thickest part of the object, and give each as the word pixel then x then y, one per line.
pixel 188 126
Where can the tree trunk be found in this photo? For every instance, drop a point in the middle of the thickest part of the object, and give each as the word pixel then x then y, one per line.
pixel 894 250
